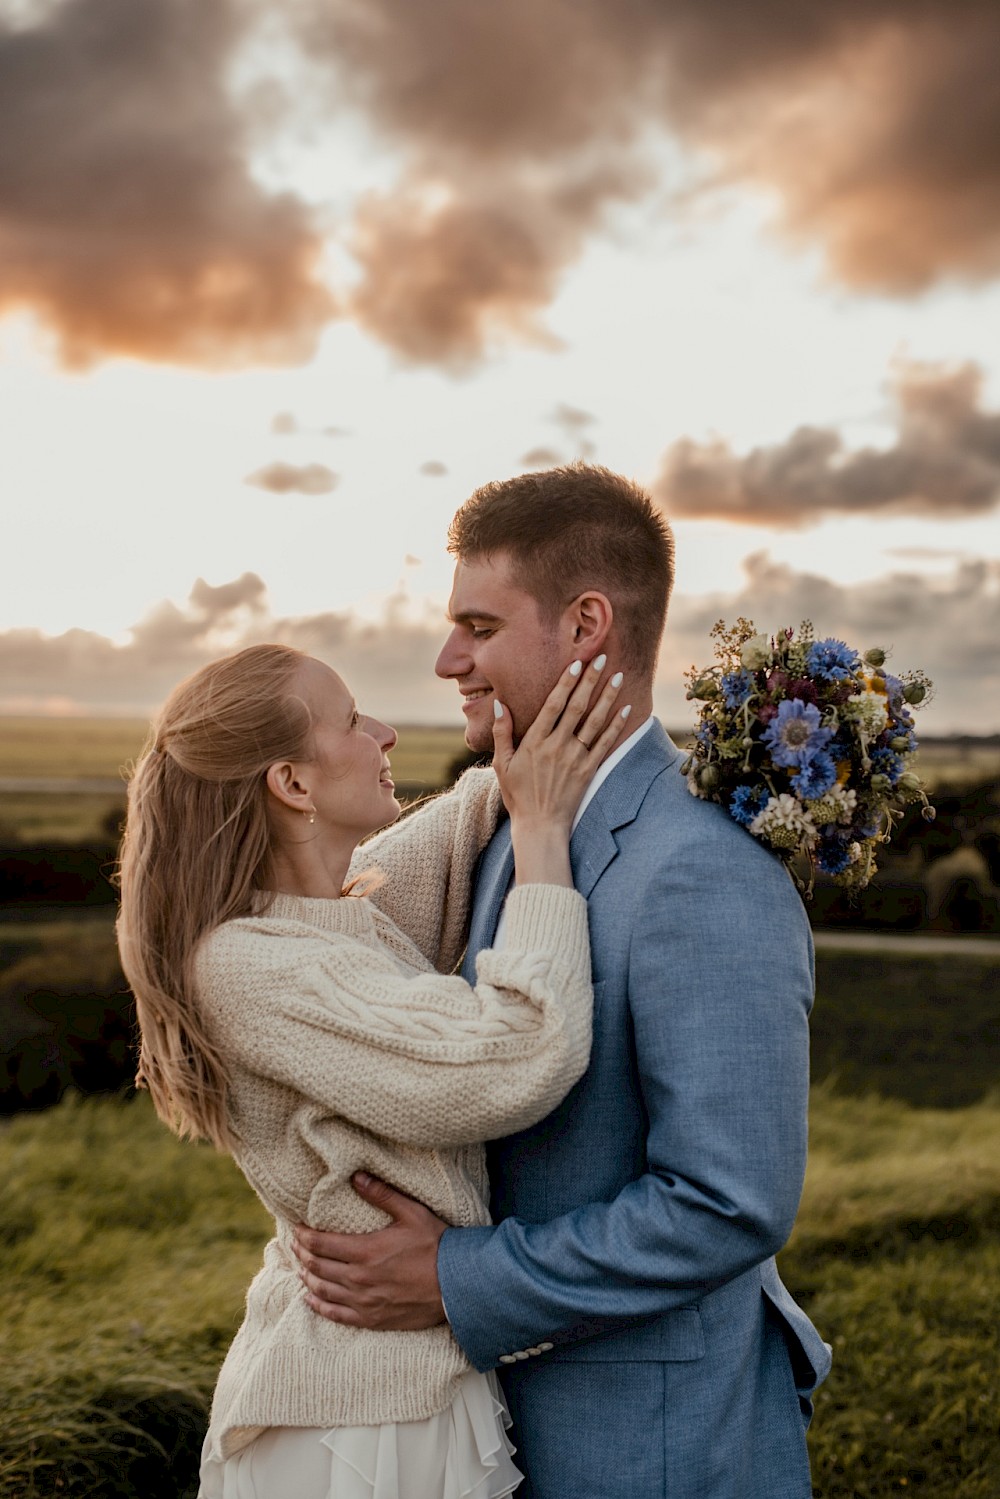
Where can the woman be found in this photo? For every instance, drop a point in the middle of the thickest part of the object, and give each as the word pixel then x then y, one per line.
pixel 288 1019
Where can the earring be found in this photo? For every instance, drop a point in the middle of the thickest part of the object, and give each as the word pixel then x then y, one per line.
pixel 310 816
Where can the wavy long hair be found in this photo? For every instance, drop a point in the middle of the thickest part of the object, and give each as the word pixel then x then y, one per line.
pixel 194 854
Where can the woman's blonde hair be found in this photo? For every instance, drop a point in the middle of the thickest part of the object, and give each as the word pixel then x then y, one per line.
pixel 194 854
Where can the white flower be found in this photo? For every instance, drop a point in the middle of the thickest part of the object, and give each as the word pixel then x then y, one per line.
pixel 836 805
pixel 868 711
pixel 756 652
pixel 785 823
pixel 693 786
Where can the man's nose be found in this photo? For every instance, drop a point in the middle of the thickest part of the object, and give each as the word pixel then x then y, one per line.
pixel 454 659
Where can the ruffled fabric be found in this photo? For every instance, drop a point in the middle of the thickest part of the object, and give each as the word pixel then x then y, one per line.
pixel 463 1452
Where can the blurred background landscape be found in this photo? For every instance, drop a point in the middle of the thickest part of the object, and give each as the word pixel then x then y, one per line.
pixel 280 284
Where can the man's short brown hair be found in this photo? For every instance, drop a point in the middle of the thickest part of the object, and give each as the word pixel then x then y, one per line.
pixel 572 528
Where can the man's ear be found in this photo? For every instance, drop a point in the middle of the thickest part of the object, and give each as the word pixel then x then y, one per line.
pixel 287 783
pixel 588 620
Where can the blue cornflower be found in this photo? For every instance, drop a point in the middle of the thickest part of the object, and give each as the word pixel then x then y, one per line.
pixel 736 688
pixel 795 735
pixel 832 855
pixel 832 660
pixel 746 802
pixel 815 777
pixel 886 763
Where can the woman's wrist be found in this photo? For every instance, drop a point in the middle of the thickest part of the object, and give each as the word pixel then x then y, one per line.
pixel 541 855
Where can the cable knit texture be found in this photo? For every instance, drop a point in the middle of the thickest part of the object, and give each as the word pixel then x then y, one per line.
pixel 349 1051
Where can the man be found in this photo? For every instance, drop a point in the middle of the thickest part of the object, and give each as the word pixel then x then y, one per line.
pixel 628 1292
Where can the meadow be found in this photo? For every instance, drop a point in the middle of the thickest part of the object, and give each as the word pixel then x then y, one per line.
pixel 94 754
pixel 124 1256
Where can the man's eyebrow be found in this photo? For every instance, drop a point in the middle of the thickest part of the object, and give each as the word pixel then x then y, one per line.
pixel 466 616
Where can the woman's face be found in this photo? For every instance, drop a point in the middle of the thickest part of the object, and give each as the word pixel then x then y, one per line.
pixel 349 776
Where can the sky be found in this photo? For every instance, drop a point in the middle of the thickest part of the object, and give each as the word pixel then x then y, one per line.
pixel 281 284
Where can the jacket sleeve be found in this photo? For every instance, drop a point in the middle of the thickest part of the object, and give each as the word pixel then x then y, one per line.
pixel 424 1059
pixel 720 983
pixel 425 865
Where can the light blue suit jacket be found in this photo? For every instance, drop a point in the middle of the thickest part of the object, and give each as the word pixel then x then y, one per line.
pixel 628 1292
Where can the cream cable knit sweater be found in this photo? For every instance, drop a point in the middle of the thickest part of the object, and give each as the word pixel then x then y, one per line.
pixel 348 1051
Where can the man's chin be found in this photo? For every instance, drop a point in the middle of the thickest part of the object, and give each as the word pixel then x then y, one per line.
pixel 479 741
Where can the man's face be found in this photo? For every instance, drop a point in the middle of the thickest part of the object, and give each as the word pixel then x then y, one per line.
pixel 499 649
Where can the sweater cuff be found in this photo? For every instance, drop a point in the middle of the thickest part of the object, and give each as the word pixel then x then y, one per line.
pixel 540 918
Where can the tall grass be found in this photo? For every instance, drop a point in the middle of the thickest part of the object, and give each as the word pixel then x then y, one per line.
pixel 124 1256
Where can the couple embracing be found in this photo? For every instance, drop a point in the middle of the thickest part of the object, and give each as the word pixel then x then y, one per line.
pixel 567 956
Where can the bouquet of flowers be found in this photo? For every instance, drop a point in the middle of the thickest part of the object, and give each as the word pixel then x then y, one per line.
pixel 807 745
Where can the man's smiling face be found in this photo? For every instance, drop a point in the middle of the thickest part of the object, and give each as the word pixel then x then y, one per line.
pixel 500 648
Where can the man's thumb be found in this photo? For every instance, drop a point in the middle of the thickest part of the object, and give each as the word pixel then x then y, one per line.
pixel 380 1194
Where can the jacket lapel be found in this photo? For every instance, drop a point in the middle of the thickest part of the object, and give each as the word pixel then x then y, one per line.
pixel 617 804
pixel 496 870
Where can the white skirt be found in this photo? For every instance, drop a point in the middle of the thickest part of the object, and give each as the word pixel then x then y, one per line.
pixel 463 1452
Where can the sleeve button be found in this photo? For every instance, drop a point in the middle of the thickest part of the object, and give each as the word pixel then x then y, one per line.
pixel 508 1358
pixel 544 1347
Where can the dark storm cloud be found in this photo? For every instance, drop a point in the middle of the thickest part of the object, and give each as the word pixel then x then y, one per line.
pixel 294 478
pixel 945 462
pixel 129 221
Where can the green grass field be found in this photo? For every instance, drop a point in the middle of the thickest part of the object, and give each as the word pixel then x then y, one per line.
pixel 101 749
pixel 124 1256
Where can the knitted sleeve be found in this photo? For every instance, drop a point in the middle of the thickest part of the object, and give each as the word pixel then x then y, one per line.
pixel 422 1058
pixel 427 861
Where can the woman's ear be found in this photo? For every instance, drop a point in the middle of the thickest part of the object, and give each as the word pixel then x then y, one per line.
pixel 589 619
pixel 286 782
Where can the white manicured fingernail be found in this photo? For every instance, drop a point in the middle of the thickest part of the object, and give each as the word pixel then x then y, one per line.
pixel 497 710
pixel 599 663
pixel 626 711
pixel 576 668
pixel 617 679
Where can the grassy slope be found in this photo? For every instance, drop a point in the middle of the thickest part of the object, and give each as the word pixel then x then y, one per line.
pixel 124 1256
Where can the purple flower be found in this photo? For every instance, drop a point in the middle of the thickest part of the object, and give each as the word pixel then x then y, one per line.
pixel 795 735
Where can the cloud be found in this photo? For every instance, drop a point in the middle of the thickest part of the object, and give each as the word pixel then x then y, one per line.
pixel 434 468
pixel 875 127
pixel 947 624
pixel 132 221
pixel 129 220
pixel 945 462
pixel 540 457
pixel 288 478
pixel 574 421
pixel 389 662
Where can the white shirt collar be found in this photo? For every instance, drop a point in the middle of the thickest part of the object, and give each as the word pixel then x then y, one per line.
pixel 607 766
